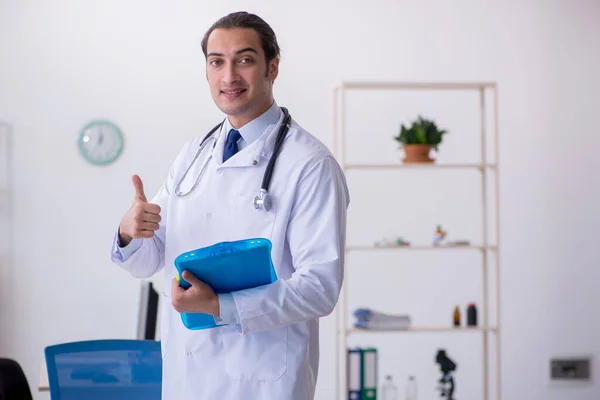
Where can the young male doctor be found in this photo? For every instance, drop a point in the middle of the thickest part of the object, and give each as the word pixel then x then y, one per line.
pixel 269 348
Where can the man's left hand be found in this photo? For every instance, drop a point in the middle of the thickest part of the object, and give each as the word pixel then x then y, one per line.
pixel 198 298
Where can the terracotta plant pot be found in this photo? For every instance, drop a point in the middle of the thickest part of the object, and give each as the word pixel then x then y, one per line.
pixel 417 153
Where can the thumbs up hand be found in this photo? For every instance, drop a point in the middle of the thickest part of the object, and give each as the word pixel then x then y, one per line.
pixel 139 188
pixel 142 219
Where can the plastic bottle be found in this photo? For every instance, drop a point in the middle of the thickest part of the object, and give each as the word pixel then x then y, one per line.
pixel 472 315
pixel 389 390
pixel 411 389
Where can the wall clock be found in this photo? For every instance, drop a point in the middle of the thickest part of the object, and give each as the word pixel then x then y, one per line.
pixel 100 142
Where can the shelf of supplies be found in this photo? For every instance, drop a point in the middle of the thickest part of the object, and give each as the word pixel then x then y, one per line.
pixel 368 248
pixel 418 85
pixel 420 166
pixel 481 165
pixel 445 329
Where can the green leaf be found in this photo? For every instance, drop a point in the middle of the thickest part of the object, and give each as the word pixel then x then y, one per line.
pixel 421 131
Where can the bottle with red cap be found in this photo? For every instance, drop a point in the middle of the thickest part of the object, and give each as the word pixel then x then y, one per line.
pixel 471 315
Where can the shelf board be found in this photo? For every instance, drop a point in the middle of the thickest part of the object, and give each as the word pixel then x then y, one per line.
pixel 444 329
pixel 368 248
pixel 420 166
pixel 417 85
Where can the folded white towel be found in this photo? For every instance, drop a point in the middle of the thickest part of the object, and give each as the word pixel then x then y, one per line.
pixel 369 319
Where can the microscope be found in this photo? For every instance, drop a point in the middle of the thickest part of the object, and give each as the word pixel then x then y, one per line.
pixel 446 383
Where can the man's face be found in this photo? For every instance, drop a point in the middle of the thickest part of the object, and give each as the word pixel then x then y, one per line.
pixel 240 82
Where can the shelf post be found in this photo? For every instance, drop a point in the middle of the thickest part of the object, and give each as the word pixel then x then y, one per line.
pixel 497 224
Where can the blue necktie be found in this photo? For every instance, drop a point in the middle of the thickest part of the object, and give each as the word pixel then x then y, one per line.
pixel 231 146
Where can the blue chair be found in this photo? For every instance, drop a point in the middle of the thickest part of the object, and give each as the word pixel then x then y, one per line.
pixel 105 369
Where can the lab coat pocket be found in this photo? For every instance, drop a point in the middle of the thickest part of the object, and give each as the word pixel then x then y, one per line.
pixel 256 356
pixel 249 222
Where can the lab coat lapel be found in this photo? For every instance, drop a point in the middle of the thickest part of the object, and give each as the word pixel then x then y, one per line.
pixel 220 147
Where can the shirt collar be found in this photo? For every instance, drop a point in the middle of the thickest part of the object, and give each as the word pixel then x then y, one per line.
pixel 255 128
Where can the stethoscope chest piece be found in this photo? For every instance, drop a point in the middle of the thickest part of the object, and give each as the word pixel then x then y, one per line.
pixel 263 200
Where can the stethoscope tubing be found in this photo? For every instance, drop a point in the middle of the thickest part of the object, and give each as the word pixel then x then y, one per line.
pixel 266 181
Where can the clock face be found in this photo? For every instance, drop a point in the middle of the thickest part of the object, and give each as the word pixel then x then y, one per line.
pixel 100 142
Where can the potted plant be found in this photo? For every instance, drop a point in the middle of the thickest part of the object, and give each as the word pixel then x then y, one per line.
pixel 418 139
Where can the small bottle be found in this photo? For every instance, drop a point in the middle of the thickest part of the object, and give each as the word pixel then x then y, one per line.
pixel 456 316
pixel 411 389
pixel 389 390
pixel 472 315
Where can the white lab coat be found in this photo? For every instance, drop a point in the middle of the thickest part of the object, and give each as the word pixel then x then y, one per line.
pixel 273 353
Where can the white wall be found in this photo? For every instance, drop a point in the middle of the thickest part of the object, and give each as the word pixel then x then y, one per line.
pixel 139 64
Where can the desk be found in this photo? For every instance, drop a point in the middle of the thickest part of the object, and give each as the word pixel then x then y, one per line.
pixel 43 385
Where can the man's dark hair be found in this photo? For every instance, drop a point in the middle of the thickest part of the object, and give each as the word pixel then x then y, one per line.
pixel 243 19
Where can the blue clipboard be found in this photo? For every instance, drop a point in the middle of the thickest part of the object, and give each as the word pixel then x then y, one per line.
pixel 226 267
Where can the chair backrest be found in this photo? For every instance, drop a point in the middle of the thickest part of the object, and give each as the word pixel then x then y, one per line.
pixel 105 369
pixel 13 383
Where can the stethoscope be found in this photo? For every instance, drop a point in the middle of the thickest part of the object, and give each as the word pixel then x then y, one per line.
pixel 263 199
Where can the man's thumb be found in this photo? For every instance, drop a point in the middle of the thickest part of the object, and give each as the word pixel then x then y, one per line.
pixel 139 188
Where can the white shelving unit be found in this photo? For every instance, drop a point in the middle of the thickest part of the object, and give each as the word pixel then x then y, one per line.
pixel 6 222
pixel 488 170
